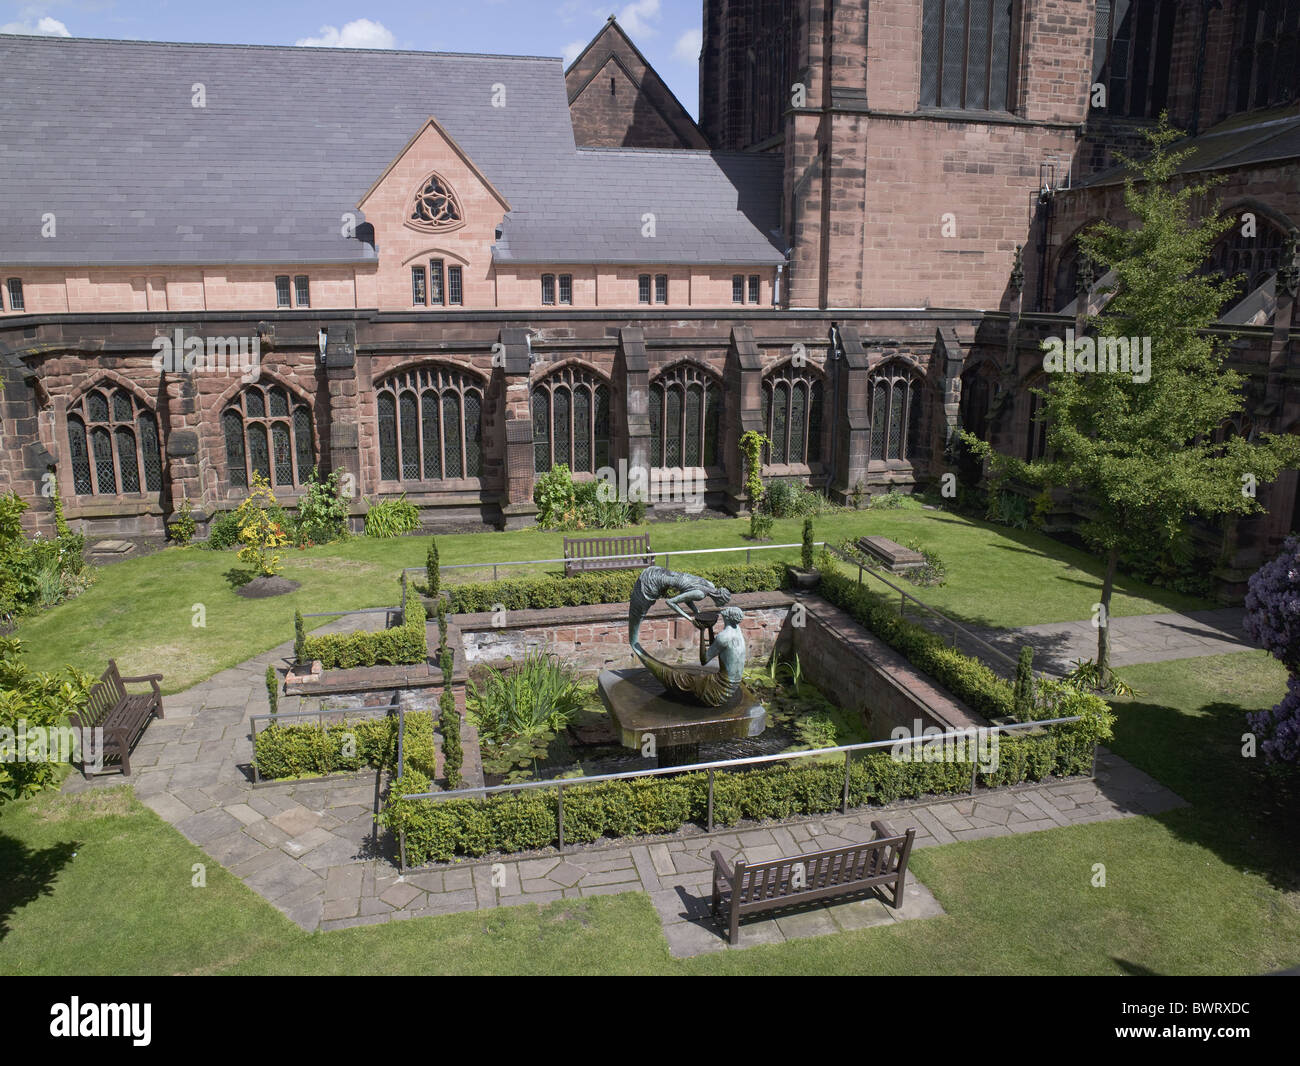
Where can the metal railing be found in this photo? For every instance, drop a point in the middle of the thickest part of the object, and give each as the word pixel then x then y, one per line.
pixel 319 715
pixel 905 597
pixel 747 549
pixel 711 768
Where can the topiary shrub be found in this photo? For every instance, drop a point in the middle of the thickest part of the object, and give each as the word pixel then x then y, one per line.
pixel 432 576
pixel 405 643
pixel 1024 686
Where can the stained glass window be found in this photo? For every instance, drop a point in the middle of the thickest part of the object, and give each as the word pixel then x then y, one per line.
pixel 792 415
pixel 896 416
pixel 114 436
pixel 268 431
pixel 684 403
pixel 438 433
pixel 571 421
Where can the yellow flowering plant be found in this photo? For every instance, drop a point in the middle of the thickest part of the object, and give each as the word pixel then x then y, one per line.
pixel 261 532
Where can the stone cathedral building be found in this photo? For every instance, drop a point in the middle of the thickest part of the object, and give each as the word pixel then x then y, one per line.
pixel 447 273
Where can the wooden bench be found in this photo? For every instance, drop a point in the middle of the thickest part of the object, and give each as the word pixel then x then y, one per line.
pixel 121 715
pixel 765 886
pixel 594 553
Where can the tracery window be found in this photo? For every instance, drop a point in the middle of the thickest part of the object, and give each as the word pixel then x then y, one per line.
pixel 430 425
pixel 435 206
pixel 1266 69
pixel 792 416
pixel 966 54
pixel 895 414
pixel 1036 439
pixel 1131 55
pixel 268 431
pixel 571 421
pixel 1256 257
pixel 685 413
pixel 113 444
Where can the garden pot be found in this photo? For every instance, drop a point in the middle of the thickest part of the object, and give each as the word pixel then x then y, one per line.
pixel 804 579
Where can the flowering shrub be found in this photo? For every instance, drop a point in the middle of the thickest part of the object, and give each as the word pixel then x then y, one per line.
pixel 1273 622
pixel 261 533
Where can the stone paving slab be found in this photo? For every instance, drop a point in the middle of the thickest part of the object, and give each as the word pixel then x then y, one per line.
pixel 313 850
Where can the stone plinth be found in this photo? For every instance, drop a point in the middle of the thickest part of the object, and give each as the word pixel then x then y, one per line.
pixel 638 704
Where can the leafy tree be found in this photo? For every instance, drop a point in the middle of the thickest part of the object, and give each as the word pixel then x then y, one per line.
pixel 1141 452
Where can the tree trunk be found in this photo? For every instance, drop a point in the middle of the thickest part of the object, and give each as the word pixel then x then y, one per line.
pixel 1103 627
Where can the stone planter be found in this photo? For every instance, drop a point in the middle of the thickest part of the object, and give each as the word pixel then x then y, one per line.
pixel 804 579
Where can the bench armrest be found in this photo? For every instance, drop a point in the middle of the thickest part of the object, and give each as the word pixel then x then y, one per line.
pixel 720 868
pixel 884 829
pixel 145 677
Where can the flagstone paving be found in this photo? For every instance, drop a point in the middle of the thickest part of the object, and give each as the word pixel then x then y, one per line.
pixel 313 850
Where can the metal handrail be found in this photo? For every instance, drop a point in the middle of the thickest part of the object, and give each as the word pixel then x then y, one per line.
pixel 746 548
pixel 560 784
pixel 904 596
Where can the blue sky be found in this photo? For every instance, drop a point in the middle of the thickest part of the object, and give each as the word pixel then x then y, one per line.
pixel 666 31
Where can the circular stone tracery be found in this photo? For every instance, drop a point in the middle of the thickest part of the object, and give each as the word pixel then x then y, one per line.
pixel 436 206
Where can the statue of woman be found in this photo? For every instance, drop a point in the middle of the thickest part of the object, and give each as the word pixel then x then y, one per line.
pixel 654 583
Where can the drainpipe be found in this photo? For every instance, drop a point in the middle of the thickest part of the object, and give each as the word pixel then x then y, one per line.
pixel 835 402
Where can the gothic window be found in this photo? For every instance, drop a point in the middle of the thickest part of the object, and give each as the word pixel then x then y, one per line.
pixel 895 414
pixel 643 288
pixel 268 431
pixel 1266 68
pixel 685 412
pixel 1036 439
pixel 978 388
pixel 430 425
pixel 1255 256
pixel 113 443
pixel 435 206
pixel 1131 55
pixel 966 54
pixel 571 421
pixel 792 416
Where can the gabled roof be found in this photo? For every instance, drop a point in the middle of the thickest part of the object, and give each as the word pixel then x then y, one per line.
pixel 104 135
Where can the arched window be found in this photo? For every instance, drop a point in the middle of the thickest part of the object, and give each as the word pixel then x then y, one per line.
pixel 268 431
pixel 1131 55
pixel 978 388
pixel 792 416
pixel 430 425
pixel 685 412
pixel 895 414
pixel 571 421
pixel 1255 256
pixel 113 442
pixel 1036 437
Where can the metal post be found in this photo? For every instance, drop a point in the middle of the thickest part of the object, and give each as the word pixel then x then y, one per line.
pixel 559 810
pixel 848 761
pixel 401 847
pixel 974 767
pixel 710 799
pixel 748 553
pixel 494 571
pixel 859 573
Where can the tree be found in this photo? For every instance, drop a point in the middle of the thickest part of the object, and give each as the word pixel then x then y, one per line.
pixel 1140 449
pixel 1272 620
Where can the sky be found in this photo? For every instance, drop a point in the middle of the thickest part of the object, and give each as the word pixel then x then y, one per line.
pixel 666 31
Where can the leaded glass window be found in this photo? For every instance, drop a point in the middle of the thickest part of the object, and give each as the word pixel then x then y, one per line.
pixel 113 444
pixel 571 421
pixel 792 415
pixel 685 401
pixel 436 413
pixel 268 431
pixel 436 206
pixel 455 286
pixel 895 414
pixel 966 54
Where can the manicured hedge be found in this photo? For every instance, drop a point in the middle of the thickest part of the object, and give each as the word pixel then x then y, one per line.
pixel 547 591
pixel 406 643
pixel 439 830
pixel 309 749
pixel 964 676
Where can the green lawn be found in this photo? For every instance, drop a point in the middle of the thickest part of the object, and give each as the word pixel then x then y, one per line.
pixel 1204 890
pixel 142 611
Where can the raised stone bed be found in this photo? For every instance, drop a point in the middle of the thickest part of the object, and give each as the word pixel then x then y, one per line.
pixel 894 556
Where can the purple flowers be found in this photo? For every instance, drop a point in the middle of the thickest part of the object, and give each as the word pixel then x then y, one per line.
pixel 1273 622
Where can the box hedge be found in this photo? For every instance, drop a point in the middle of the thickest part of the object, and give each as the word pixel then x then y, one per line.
pixel 312 749
pixel 405 643
pixel 439 830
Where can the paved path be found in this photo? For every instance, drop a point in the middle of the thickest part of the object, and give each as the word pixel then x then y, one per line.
pixel 312 848
pixel 1144 638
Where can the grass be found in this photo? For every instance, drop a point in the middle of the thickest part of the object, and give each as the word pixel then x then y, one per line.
pixel 145 612
pixel 99 884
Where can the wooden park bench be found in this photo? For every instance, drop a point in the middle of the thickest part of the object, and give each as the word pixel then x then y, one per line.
pixel 602 553
pixel 121 715
pixel 765 886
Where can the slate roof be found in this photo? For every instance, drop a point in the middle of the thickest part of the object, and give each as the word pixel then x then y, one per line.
pixel 103 134
pixel 1244 140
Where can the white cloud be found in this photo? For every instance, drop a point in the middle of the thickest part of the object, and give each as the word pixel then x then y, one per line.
pixel 635 18
pixel 687 49
pixel 44 27
pixel 359 33
pixel 572 50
